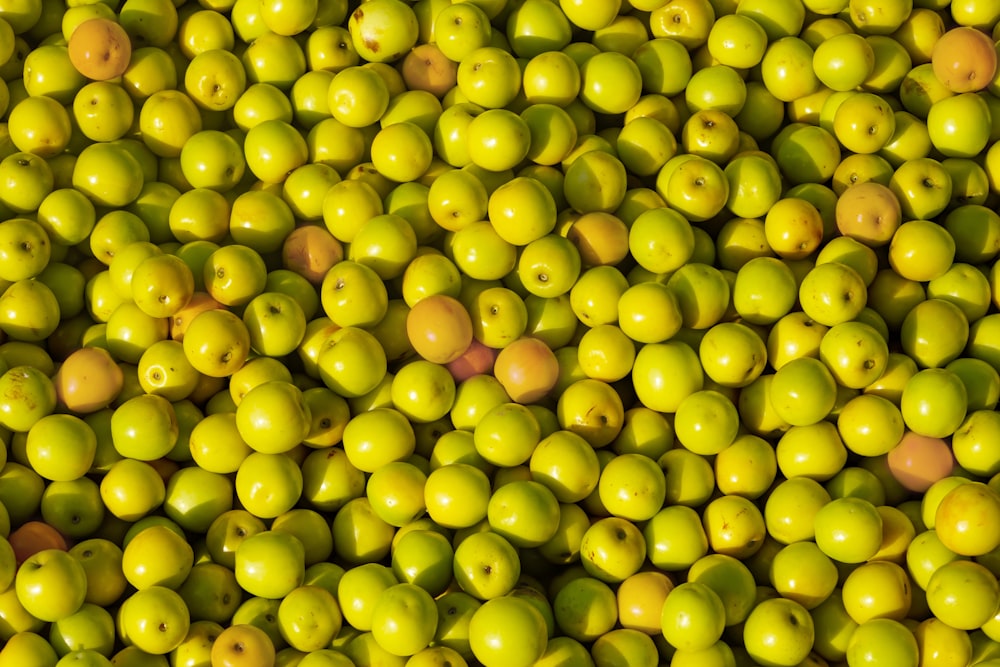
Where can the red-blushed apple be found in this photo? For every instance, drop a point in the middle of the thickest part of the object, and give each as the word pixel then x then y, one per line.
pixel 476 360
pixel 527 369
pixel 962 59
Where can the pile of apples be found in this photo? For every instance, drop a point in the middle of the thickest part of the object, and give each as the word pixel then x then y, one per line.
pixel 499 332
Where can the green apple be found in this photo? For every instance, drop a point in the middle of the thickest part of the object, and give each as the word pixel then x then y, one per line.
pixel 597 74
pixel 359 590
pixel 44 572
pixel 309 618
pixel 486 565
pixel 61 447
pixel 923 187
pixel 803 391
pixel 74 508
pixel 661 240
pixel 855 353
pixel 28 648
pixel 612 549
pixel 404 619
pixel 196 497
pixel 311 528
pixel 844 61
pixel 717 87
pixel 157 556
pixel 645 144
pixel 352 362
pixel 806 153
pixel 211 593
pixel 945 115
pixel 941 416
pixel 424 558
pixel 507 631
pixel 92 628
pixel 779 631
pixel 273 417
pixel 396 492
pixel 268 484
pixel 702 292
pixel 864 123
pixel 154 620
pixel 586 608
pixel 144 427
pixel 460 29
pixel 359 535
pixel 832 293
pixel 938 325
pixel 666 373
pixel 879 638
pixel 270 564
pixel 732 354
pixel 29 310
pixel 802 572
pixel 693 616
pixel 566 464
pixel 512 504
pixel 754 185
pixel 675 538
pixel 383 32
pixel 960 604
pixel 764 291
pixel 787 68
pixel 848 529
pixel 696 188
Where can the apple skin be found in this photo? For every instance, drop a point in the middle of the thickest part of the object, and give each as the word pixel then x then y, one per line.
pixel 43 573
pixel 779 632
pixel 259 557
pixel 138 616
pixel 389 394
pixel 486 565
pixel 507 630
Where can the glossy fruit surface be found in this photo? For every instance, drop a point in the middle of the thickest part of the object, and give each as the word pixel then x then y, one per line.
pixel 499 333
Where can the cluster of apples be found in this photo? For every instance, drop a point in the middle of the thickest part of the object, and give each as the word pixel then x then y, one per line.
pixel 499 332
